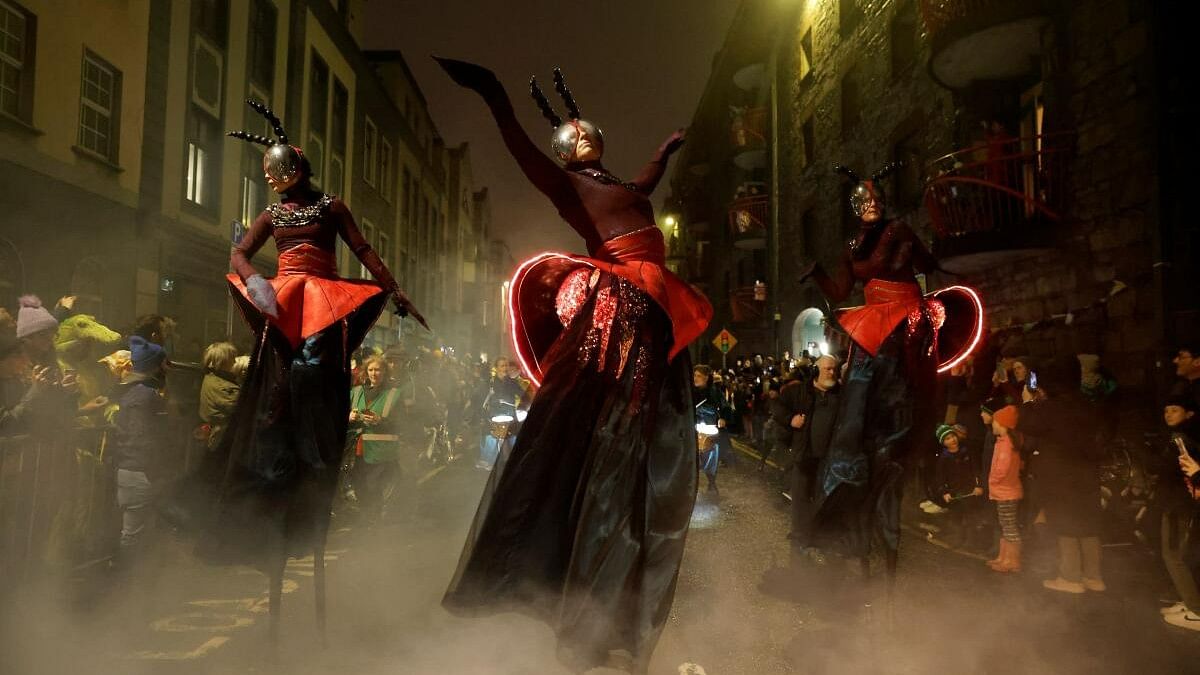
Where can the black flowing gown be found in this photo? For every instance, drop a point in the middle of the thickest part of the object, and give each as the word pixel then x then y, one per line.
pixel 583 525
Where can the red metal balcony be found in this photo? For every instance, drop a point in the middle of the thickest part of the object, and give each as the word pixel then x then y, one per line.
pixel 749 128
pixel 743 306
pixel 748 218
pixel 983 39
pixel 1000 195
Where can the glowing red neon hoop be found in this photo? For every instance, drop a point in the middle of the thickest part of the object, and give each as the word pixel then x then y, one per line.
pixel 521 348
pixel 977 335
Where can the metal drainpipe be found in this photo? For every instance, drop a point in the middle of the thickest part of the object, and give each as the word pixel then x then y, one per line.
pixel 773 250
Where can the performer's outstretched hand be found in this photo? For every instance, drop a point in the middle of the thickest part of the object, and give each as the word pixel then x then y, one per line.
pixel 405 307
pixel 469 75
pixel 674 142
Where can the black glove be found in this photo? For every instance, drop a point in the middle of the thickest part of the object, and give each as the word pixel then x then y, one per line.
pixel 470 75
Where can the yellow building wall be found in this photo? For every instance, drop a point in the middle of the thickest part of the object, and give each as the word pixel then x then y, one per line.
pixel 116 32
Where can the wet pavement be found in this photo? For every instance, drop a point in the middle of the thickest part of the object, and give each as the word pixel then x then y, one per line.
pixel 740 609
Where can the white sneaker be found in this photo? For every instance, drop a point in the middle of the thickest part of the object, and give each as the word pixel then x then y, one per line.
pixel 1173 609
pixel 933 508
pixel 1097 585
pixel 1188 620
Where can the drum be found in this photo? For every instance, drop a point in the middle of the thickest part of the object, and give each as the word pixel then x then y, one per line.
pixel 500 425
pixel 706 437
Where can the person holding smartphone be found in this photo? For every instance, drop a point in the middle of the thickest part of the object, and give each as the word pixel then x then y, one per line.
pixel 1180 510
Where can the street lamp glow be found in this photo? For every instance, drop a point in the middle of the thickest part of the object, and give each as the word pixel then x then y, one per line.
pixel 670 221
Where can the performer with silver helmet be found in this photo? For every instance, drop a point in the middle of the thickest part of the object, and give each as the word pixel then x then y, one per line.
pixel 264 494
pixel 585 523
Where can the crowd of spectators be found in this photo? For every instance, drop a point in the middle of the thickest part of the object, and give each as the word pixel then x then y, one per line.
pixel 1027 451
pixel 96 422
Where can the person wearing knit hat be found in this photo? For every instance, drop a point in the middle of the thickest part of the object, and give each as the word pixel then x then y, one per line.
pixel 141 437
pixel 35 328
pixel 956 485
pixel 147 357
pixel 1006 417
pixel 1005 489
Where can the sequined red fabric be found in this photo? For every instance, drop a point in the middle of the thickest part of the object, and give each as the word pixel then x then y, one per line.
pixel 888 304
pixel 551 285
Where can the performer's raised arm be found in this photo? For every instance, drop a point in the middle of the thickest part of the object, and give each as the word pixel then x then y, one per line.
pixel 349 232
pixel 542 171
pixel 653 172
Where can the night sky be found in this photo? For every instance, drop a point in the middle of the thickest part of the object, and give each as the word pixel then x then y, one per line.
pixel 637 69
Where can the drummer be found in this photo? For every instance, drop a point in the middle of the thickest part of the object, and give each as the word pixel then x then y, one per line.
pixel 710 410
pixel 506 395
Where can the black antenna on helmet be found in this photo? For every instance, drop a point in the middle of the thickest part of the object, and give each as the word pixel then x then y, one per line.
pixel 253 138
pixel 271 118
pixel 887 169
pixel 560 85
pixel 276 125
pixel 847 172
pixel 544 105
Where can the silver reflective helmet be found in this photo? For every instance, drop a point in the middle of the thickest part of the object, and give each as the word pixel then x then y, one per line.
pixel 566 138
pixel 863 193
pixel 281 162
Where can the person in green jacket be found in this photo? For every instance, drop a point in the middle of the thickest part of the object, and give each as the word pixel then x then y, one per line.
pixel 373 437
pixel 219 390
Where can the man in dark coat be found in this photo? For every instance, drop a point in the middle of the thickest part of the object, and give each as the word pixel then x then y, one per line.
pixel 809 409
pixel 1067 474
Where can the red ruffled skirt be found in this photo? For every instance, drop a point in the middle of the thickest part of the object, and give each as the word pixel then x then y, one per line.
pixel 309 292
pixel 955 313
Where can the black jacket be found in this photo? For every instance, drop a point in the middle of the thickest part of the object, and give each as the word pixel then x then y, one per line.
pixel 800 397
pixel 141 428
pixel 956 473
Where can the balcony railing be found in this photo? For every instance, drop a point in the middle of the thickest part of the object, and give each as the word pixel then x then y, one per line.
pixel 749 128
pixel 748 218
pixel 998 185
pixel 744 307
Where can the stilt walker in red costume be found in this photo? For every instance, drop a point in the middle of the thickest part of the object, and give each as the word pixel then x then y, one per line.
pixel 584 524
pixel 900 340
pixel 264 494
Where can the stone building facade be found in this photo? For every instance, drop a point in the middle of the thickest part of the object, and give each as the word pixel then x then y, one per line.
pixel 1036 156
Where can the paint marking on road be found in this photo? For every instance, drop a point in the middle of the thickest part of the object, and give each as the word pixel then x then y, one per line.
pixel 210 645
pixel 190 621
pixel 431 474
pixel 745 450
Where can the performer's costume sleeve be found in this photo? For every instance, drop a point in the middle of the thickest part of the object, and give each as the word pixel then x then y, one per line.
pixel 653 172
pixel 258 234
pixel 549 178
pixel 362 250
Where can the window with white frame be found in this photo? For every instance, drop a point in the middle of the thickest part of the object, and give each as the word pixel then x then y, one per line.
pixel 370 156
pixel 99 107
pixel 338 115
pixel 385 168
pixel 368 233
pixel 254 200
pixel 16 38
pixel 385 249
pixel 197 174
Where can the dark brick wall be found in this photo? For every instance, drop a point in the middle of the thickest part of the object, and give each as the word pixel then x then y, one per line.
pixel 896 106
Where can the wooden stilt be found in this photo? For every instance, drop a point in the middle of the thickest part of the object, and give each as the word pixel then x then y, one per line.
pixel 319 591
pixel 275 596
